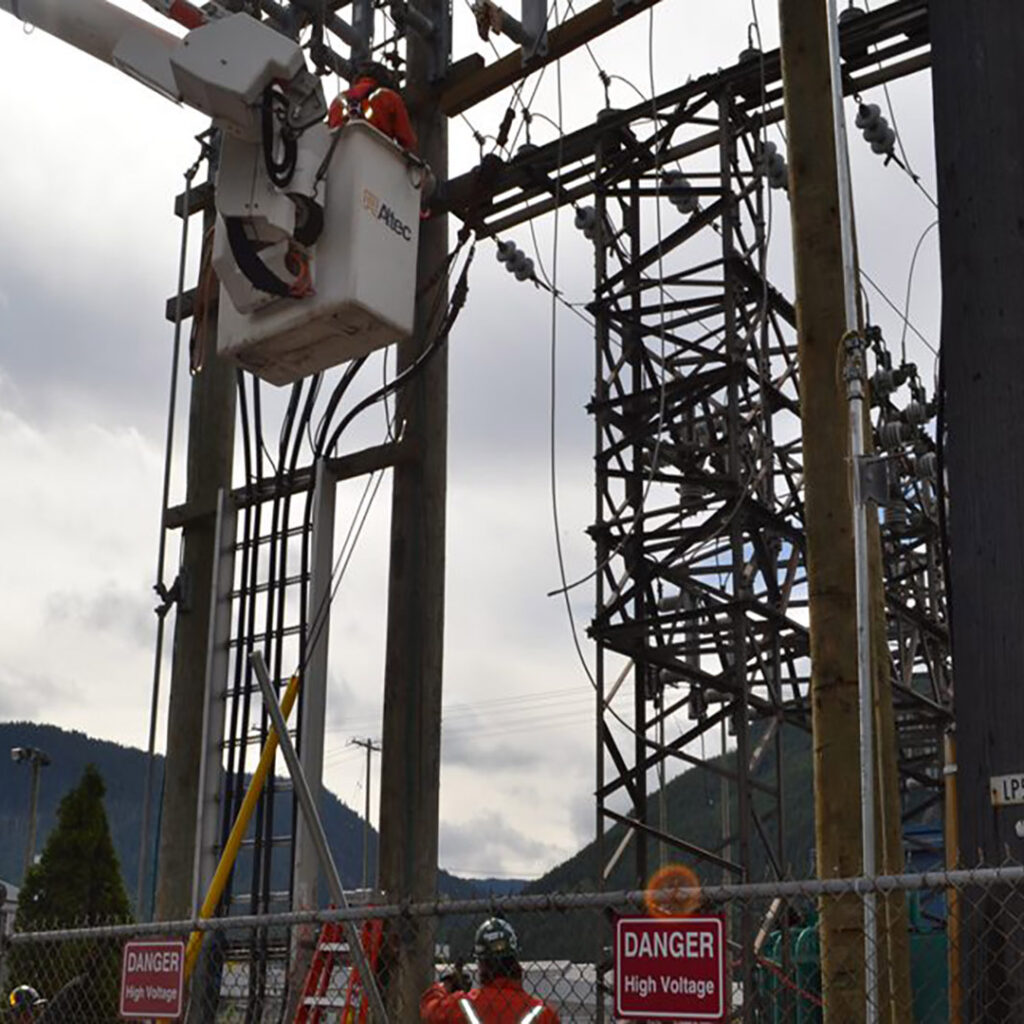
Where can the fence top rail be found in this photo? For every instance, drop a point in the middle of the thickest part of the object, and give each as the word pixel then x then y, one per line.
pixel 621 899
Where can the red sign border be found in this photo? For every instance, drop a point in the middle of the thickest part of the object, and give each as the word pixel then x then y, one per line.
pixel 149 1014
pixel 721 1015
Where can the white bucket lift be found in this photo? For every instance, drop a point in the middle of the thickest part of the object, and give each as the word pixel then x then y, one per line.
pixel 362 266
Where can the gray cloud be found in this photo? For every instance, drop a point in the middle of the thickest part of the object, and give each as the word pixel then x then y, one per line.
pixel 110 609
pixel 463 748
pixel 488 842
pixel 32 696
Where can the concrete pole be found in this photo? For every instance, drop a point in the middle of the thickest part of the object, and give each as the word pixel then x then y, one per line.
pixel 411 759
pixel 210 448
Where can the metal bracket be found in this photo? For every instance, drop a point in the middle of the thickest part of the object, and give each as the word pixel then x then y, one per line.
pixel 436 32
pixel 306 103
pixel 531 33
pixel 535 28
pixel 179 593
pixel 876 480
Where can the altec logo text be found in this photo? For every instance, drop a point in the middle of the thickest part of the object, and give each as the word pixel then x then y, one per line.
pixel 381 211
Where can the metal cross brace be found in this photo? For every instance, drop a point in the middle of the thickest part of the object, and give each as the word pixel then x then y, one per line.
pixel 319 836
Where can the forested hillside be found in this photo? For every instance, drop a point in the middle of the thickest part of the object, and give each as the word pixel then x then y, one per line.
pixel 693 805
pixel 123 769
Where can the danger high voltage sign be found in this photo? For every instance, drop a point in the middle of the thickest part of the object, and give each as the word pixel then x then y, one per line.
pixel 670 968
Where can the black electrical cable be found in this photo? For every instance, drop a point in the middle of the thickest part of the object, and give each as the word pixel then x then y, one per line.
pixel 280 171
pixel 388 388
pixel 332 403
pixel 232 796
pixel 440 336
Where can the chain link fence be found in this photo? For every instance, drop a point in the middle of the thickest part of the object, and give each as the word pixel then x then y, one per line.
pixel 947 947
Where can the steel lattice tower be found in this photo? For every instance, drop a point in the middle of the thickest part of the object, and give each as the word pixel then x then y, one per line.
pixel 701 583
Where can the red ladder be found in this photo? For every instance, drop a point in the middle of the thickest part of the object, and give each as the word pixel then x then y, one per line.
pixel 332 951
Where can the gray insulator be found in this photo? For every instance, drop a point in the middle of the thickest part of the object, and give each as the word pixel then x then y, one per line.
pixel 677 189
pixel 916 413
pixel 882 383
pixel 897 517
pixel 771 164
pixel 868 114
pixel 850 14
pixel 885 144
pixel 586 221
pixel 698 705
pixel 927 466
pixel 750 53
pixel 516 261
pixel 894 434
pixel 875 128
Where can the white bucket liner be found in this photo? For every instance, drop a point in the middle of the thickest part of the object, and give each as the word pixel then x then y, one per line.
pixel 363 270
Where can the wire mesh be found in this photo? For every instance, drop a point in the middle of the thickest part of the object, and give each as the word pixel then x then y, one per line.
pixel 948 948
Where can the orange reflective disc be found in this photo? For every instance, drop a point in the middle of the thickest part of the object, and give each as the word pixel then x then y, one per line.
pixel 673 891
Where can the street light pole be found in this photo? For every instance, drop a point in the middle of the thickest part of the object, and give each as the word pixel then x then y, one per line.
pixel 37 759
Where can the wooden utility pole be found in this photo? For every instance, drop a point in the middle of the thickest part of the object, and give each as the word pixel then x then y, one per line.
pixel 822 322
pixel 211 433
pixel 369 746
pixel 979 139
pixel 411 760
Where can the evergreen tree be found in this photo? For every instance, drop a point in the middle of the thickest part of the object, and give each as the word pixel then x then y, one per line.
pixel 76 883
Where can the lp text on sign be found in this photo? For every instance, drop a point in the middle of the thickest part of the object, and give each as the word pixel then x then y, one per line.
pixel 1007 789
pixel 670 968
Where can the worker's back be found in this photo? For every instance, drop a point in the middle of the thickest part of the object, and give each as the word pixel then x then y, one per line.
pixel 498 1001
pixel 380 105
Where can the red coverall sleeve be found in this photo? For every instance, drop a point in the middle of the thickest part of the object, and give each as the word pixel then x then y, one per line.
pixel 336 113
pixel 439 1006
pixel 390 115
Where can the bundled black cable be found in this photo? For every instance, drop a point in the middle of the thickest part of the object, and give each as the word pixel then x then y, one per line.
pixel 279 171
pixel 458 300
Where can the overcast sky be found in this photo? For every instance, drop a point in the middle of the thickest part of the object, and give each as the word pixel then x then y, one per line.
pixel 88 253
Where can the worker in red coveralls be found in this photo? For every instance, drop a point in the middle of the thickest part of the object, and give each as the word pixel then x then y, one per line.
pixel 373 94
pixel 499 999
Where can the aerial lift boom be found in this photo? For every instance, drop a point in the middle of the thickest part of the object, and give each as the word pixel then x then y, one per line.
pixel 312 269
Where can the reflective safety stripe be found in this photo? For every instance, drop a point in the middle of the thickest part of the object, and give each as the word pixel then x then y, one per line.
pixel 471 1015
pixel 467 1009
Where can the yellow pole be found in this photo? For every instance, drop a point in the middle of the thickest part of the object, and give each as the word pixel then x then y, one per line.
pixel 238 830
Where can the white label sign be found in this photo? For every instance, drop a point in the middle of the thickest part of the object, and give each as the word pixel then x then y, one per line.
pixel 1007 789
